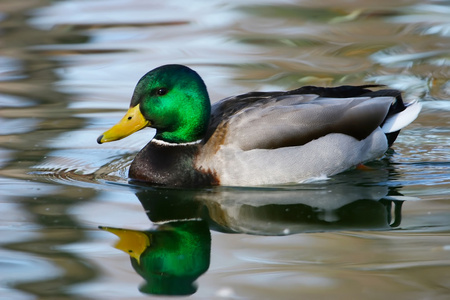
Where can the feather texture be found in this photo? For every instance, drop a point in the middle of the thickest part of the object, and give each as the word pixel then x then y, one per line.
pixel 396 122
pixel 297 120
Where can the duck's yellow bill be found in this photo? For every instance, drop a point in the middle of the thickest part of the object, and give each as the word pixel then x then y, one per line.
pixel 132 242
pixel 130 123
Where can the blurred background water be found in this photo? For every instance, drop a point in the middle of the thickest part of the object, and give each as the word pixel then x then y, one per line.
pixel 67 72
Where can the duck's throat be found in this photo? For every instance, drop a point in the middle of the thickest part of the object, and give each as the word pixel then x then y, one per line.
pixel 187 133
pixel 163 163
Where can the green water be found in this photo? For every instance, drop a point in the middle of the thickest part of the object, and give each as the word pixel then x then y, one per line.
pixel 67 72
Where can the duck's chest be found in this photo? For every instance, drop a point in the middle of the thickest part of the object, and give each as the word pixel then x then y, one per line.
pixel 169 165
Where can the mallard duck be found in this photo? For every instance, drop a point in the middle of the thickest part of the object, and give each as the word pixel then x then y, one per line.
pixel 258 138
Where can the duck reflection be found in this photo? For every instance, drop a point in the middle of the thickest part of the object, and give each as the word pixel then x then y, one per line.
pixel 171 256
pixel 279 211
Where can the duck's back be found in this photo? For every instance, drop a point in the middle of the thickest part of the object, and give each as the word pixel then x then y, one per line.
pixel 281 137
pixel 280 119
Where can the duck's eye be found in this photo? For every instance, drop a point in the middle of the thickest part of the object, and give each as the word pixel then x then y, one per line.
pixel 161 91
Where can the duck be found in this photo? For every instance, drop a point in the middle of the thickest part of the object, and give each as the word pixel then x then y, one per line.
pixel 257 138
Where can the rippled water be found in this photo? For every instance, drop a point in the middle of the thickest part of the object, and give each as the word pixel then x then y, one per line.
pixel 67 71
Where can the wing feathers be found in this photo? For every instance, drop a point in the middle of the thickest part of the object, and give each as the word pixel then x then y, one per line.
pixel 286 124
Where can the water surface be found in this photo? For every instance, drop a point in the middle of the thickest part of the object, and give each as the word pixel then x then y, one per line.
pixel 67 72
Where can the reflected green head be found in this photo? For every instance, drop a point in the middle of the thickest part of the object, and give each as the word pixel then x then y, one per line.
pixel 174 99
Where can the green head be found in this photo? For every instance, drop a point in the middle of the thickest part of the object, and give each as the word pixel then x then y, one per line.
pixel 172 99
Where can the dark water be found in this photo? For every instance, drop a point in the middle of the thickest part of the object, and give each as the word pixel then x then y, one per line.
pixel 67 71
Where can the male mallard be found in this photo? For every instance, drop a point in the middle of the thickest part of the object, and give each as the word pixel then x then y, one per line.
pixel 257 138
